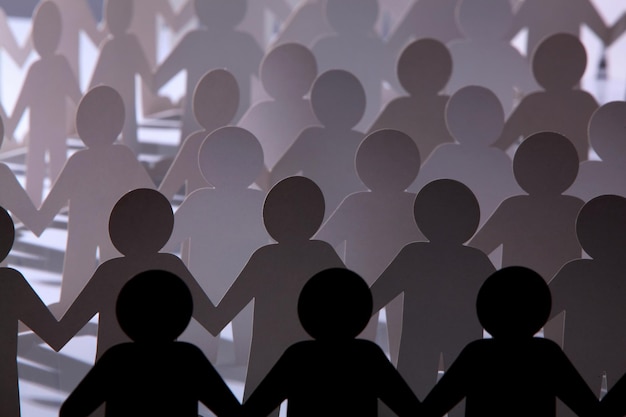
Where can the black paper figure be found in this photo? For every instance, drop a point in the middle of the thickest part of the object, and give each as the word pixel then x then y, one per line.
pixel 326 153
pixel 305 25
pixel 18 301
pixel 424 69
pixel 229 48
pixel 440 280
pixel 91 182
pixel 514 373
pixel 335 374
pixel 591 293
pixel 538 229
pixel 287 73
pixel 608 139
pixel 48 83
pixel 558 65
pixel 153 375
pixel 475 118
pixel 121 58
pixel 140 225
pixel 293 211
pixel 376 224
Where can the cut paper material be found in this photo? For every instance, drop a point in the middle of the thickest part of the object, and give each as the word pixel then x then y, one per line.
pixel 258 23
pixel 306 23
pixel 335 371
pixel 153 308
pixel 48 84
pixel 19 53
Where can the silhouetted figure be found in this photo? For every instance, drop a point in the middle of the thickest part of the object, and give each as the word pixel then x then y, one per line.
pixel 440 279
pixel 154 374
pixel 335 374
pixel 537 229
pixel 293 211
pixel 558 66
pixel 424 69
pixel 18 302
pixel 326 153
pixel 513 374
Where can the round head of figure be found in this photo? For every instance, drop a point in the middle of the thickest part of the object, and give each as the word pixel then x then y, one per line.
pixel 546 163
pixel 338 99
pixel 47 28
pixel 559 62
pixel 100 116
pixel 119 16
pixel 335 305
pixel 352 16
pixel 607 132
pixel 141 222
pixel 388 161
pixel 220 14
pixel 424 67
pixel 216 99
pixel 288 71
pixel 601 228
pixel 293 210
pixel 474 116
pixel 7 231
pixel 154 307
pixel 484 19
pixel 447 211
pixel 514 303
pixel 230 157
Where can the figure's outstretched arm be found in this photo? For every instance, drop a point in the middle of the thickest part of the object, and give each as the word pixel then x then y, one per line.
pixel 489 237
pixel 389 285
pixel 214 393
pixel 595 22
pixel 14 198
pixel 96 32
pixel 571 387
pixel 58 197
pixel 9 43
pixel 513 128
pixel 26 96
pixel 618 29
pixel 184 16
pixel 394 391
pixel 173 64
pixel 273 389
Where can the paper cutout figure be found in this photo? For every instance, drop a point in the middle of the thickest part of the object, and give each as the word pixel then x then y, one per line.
pixel 215 103
pixel 335 373
pixel 514 372
pixel 91 182
pixel 293 212
pixel 154 374
pixel 326 153
pixel 537 229
pixel 224 225
pixel 558 65
pixel 440 280
pixel 306 23
pixel 48 83
pixel 18 53
pixel 121 59
pixel 485 57
pixel 287 73
pixel 376 224
pixel 424 69
pixel 608 139
pixel 218 35
pixel 590 292
pixel 19 302
pixel 475 118
pixel 367 60
pixel 140 225
pixel 256 19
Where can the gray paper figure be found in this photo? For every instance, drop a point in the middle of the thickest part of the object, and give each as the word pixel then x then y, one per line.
pixel 121 59
pixel 376 224
pixel 224 225
pixel 424 69
pixel 293 212
pixel 48 84
pixel 224 46
pixel 537 229
pixel 353 25
pixel 215 103
pixel 558 65
pixel 485 57
pixel 608 139
pixel 326 153
pixel 440 280
pixel 18 53
pixel 306 23
pixel 18 301
pixel 91 182
pixel 591 293
pixel 287 73
pixel 475 119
